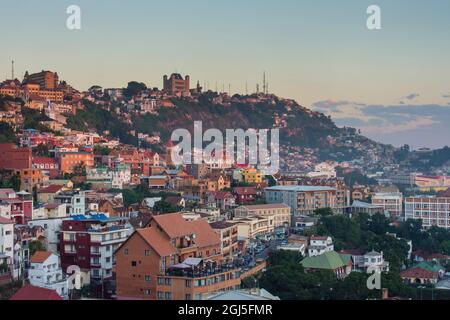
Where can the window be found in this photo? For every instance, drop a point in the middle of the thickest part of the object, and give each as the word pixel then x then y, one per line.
pixel 168 295
pixel 147 278
pixel 160 295
pixel 133 263
pixel 146 253
pixel 160 281
pixel 188 297
pixel 125 251
pixel 147 292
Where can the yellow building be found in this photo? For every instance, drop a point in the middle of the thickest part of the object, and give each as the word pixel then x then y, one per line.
pixel 252 176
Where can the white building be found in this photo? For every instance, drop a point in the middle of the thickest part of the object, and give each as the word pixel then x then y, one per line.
pixel 46 272
pixel 319 245
pixel 296 247
pixel 432 211
pixel 7 241
pixel 323 170
pixel 391 202
pixel 375 261
pixel 280 211
pixel 5 210
pixel 50 210
pixel 52 227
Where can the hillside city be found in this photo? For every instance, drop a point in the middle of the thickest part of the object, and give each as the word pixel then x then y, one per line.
pixel 87 179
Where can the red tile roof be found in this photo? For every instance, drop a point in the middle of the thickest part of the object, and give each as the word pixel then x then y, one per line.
pixel 173 224
pixel 157 241
pixel 176 226
pixel 44 160
pixel 5 220
pixel 205 235
pixel 320 238
pixel 29 292
pixel 419 273
pixel 51 189
pixel 40 256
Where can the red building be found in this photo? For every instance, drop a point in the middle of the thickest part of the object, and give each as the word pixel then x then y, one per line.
pixel 21 205
pixel 139 161
pixel 47 165
pixel 14 158
pixel 244 195
pixel 89 242
pixel 173 259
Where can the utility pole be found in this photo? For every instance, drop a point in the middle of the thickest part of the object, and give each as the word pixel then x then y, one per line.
pixel 12 70
pixel 264 82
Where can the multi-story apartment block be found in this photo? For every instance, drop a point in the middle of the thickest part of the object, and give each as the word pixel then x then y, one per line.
pixel 20 205
pixel 89 242
pixel 228 232
pixel 221 199
pixel 391 202
pixel 173 259
pixel 114 178
pixel 68 161
pixel 252 176
pixel 280 211
pixel 75 201
pixel 252 227
pixel 6 244
pixel 433 211
pixel 45 272
pixel 304 200
pixel 32 179
pixel 244 195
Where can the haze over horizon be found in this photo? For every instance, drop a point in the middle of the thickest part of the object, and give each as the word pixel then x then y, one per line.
pixel 393 84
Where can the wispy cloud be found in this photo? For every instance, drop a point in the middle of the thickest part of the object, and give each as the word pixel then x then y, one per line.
pixel 411 96
pixel 389 122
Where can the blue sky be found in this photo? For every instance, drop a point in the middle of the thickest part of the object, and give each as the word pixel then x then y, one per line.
pixel 313 51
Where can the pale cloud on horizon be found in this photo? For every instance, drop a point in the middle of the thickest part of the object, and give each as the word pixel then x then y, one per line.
pixel 424 124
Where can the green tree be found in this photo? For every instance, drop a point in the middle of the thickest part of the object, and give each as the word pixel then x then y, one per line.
pixel 323 212
pixel 7 133
pixel 42 150
pixel 80 170
pixel 165 207
pixel 134 88
pixel 10 182
pixel 34 246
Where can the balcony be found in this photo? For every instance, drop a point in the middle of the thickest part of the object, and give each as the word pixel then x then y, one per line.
pixel 108 229
pixel 194 273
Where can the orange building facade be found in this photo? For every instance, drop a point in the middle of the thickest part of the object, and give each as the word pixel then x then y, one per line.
pixel 68 161
pixel 173 259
